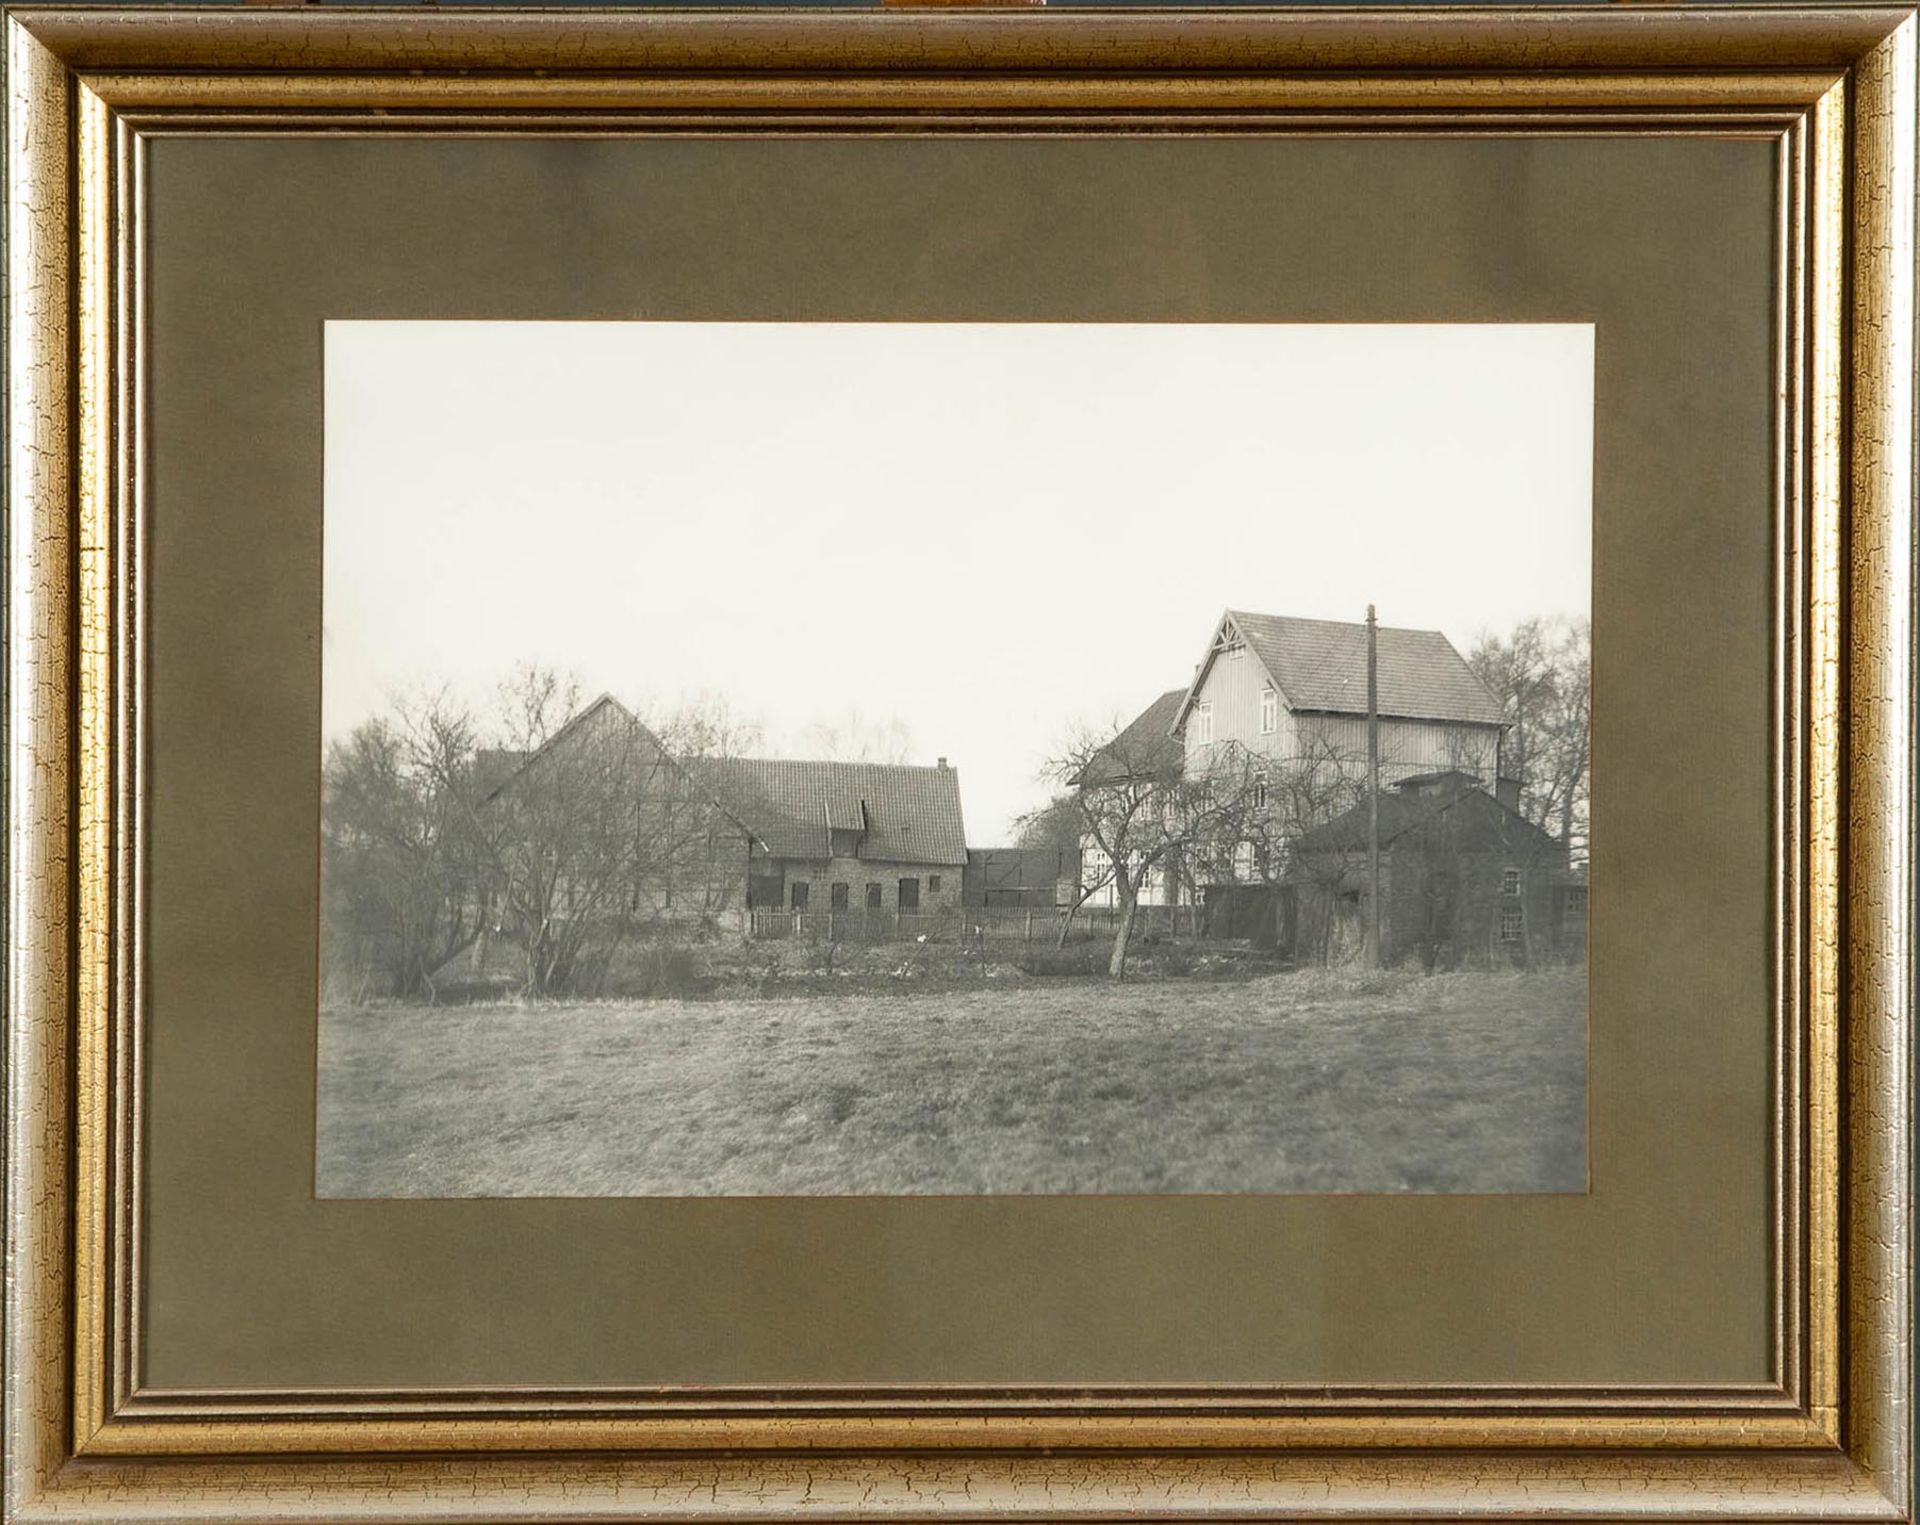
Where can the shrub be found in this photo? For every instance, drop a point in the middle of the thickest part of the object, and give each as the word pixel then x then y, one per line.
pixel 1176 959
pixel 1075 958
pixel 656 970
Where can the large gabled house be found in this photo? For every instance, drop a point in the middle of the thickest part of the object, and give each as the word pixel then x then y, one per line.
pixel 1295 690
pixel 1289 696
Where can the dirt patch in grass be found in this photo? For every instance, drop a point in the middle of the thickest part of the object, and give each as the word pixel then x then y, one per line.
pixel 1307 1082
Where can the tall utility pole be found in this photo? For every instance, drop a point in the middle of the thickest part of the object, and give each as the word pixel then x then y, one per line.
pixel 1373 790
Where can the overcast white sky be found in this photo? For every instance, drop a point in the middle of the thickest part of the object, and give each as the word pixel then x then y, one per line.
pixel 985 532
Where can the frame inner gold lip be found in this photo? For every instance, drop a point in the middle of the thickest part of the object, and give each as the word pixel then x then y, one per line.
pixel 1844 164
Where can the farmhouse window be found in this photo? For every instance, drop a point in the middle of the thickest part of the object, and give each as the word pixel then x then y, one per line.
pixel 1510 925
pixel 873 897
pixel 1260 794
pixel 1269 710
pixel 909 894
pixel 839 897
pixel 933 884
pixel 1203 723
pixel 1510 880
pixel 797 894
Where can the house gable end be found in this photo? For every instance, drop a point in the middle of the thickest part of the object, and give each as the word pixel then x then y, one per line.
pixel 1217 646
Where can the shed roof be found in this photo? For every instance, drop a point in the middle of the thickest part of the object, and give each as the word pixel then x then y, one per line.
pixel 1488 820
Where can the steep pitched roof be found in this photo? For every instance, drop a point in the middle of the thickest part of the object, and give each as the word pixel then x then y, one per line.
pixel 1321 665
pixel 906 814
pixel 909 814
pixel 494 768
pixel 1147 744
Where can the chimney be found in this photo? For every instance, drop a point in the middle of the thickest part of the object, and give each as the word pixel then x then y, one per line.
pixel 1507 792
pixel 942 765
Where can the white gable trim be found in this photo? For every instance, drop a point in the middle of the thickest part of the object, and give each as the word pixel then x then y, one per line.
pixel 1216 644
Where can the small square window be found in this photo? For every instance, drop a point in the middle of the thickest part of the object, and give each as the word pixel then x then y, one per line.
pixel 933 884
pixel 1510 881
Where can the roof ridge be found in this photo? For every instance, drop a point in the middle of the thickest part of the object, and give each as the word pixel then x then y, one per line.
pixel 1314 619
pixel 841 762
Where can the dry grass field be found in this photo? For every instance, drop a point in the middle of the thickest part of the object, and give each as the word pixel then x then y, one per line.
pixel 1307 1082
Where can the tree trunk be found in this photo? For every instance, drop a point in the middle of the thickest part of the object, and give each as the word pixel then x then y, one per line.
pixel 1123 934
pixel 1066 922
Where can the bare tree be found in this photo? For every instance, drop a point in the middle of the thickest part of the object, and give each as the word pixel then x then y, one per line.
pixel 851 737
pixel 703 841
pixel 1144 813
pixel 1057 828
pixel 583 841
pixel 1541 675
pixel 705 726
pixel 1283 799
pixel 397 870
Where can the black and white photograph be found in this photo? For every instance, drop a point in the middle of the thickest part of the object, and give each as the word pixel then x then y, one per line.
pixel 833 759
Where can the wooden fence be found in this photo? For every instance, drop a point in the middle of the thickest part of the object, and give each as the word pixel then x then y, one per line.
pixel 971 923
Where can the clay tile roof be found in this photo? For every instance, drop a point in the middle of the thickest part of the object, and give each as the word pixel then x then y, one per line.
pixel 911 814
pixel 1147 744
pixel 1322 665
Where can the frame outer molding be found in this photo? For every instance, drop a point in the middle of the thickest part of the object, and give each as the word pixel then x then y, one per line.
pixel 57 1403
pixel 1880 716
pixel 39 676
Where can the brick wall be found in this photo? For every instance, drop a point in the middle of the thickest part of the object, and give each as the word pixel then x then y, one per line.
pixel 858 873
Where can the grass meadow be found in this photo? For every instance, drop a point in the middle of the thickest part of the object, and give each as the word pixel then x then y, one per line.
pixel 1314 1081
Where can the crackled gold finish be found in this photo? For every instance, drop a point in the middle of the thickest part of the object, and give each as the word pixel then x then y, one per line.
pixel 1826 663
pixel 1876 1265
pixel 40 763
pixel 1833 87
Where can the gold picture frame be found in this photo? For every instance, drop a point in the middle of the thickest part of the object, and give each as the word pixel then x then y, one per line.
pixel 1833 88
